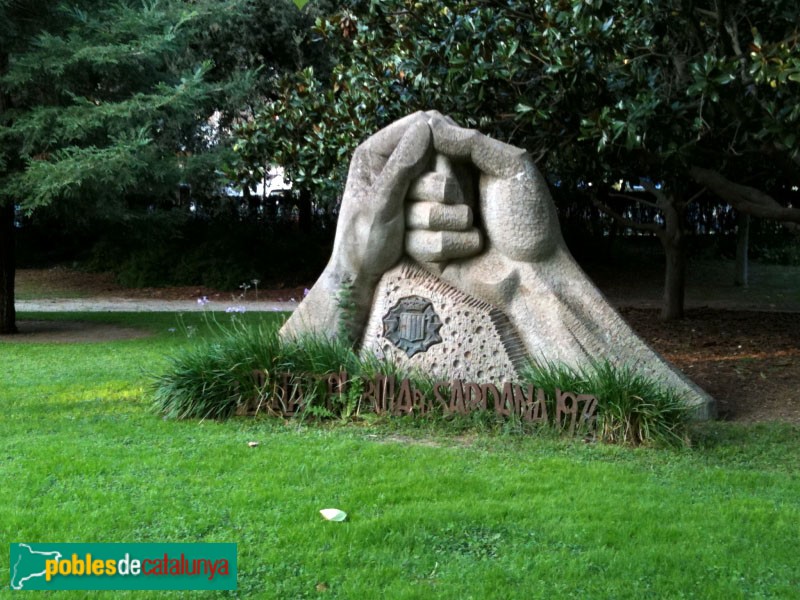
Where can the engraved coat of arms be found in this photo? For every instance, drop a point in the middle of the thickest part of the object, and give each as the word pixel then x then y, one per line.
pixel 412 325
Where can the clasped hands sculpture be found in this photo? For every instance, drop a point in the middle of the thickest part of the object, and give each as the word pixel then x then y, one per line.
pixel 477 213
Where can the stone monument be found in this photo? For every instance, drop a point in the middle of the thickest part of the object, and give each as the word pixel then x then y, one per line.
pixel 449 258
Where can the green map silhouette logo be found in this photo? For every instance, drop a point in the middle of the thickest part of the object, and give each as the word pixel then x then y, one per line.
pixel 27 563
pixel 123 566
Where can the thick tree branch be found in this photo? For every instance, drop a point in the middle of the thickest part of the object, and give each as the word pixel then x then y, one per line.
pixel 663 200
pixel 733 31
pixel 746 199
pixel 696 196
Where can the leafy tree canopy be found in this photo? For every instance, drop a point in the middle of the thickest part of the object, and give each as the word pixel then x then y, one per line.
pixel 104 99
pixel 595 90
pixel 114 103
pixel 683 97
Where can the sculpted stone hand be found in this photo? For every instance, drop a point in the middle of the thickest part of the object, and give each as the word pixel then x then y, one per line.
pixel 369 234
pixel 526 270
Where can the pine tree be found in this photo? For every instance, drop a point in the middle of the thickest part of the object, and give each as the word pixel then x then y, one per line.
pixel 103 100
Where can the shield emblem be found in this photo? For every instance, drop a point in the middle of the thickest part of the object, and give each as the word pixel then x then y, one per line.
pixel 412 325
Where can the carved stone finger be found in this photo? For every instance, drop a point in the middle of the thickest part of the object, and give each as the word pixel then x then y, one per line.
pixel 432 215
pixel 384 142
pixel 436 187
pixel 436 246
pixel 406 162
pixel 489 155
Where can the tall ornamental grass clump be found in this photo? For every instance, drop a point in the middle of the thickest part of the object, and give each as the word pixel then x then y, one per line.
pixel 209 378
pixel 214 377
pixel 631 408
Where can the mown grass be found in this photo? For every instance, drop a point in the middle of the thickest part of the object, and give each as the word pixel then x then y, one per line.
pixel 432 513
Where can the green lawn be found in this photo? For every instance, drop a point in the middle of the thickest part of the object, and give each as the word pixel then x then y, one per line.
pixel 431 515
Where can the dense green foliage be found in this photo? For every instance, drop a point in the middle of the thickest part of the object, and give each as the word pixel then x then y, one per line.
pixel 112 112
pixel 107 103
pixel 598 91
pixel 430 514
pixel 173 248
pixel 113 101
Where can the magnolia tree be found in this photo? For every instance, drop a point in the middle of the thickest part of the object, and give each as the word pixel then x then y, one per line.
pixel 688 101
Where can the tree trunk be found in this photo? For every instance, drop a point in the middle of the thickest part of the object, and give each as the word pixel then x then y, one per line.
pixel 742 242
pixel 8 315
pixel 252 201
pixel 672 239
pixel 611 240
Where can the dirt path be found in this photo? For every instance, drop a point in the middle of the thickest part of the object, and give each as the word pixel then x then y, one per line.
pixel 748 360
pixel 61 331
pixel 147 305
pixel 62 283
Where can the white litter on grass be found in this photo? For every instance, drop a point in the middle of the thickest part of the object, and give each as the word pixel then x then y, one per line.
pixel 333 514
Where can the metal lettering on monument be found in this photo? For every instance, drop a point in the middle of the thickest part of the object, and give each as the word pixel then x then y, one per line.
pixel 412 325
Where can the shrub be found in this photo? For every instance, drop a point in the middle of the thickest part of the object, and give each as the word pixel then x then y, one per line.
pixel 210 378
pixel 171 248
pixel 214 377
